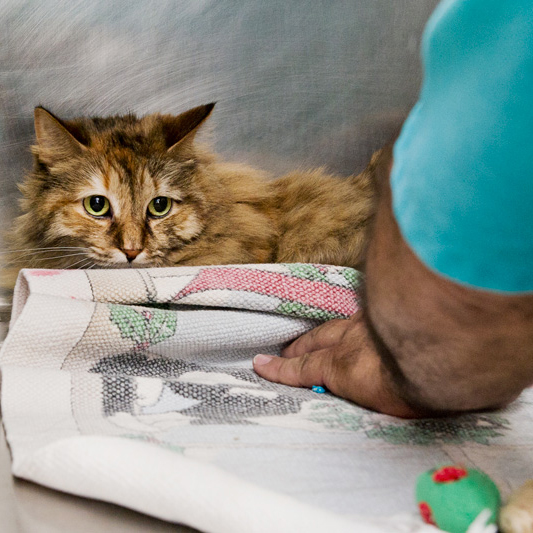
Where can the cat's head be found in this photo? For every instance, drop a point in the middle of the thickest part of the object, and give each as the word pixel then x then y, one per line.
pixel 122 189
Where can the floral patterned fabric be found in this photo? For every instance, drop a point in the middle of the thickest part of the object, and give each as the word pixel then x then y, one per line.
pixel 159 361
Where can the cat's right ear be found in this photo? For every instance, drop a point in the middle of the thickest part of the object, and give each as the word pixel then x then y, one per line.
pixel 54 141
pixel 181 130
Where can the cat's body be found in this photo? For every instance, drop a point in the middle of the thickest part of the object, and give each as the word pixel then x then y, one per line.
pixel 127 192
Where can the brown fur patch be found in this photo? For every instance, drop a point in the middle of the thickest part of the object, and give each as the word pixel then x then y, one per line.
pixel 221 213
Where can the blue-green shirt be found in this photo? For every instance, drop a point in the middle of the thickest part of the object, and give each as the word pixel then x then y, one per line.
pixel 462 178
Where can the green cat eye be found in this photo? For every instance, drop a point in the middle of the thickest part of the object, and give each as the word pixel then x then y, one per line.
pixel 159 206
pixel 97 206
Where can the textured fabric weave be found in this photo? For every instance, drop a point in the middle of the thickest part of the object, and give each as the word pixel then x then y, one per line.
pixel 137 387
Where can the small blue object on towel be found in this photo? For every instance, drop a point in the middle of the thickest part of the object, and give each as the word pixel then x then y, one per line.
pixel 318 389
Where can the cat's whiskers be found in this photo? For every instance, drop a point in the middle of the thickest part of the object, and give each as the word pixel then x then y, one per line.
pixel 104 263
pixel 46 248
pixel 85 266
pixel 85 259
pixel 29 260
pixel 38 251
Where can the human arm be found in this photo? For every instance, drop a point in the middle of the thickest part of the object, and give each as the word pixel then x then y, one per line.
pixel 427 345
pixel 459 217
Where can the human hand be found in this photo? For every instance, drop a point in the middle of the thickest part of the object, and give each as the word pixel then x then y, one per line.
pixel 341 356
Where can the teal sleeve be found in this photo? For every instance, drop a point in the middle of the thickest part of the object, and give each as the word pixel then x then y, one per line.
pixel 463 164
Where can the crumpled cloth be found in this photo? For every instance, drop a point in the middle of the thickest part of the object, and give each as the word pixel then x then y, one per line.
pixel 136 387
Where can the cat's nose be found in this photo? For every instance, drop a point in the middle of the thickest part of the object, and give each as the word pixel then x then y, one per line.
pixel 131 254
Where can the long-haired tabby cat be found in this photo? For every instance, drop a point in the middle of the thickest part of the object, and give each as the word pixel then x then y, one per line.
pixel 139 192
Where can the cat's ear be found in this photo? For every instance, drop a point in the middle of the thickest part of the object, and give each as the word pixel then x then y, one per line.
pixel 180 131
pixel 54 140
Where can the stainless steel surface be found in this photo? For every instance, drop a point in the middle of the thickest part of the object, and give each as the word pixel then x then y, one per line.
pixel 296 83
pixel 8 515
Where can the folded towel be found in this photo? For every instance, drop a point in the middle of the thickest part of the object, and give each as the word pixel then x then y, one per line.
pixel 136 387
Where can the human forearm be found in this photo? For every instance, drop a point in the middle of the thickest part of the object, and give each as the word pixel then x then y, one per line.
pixel 455 348
pixel 423 345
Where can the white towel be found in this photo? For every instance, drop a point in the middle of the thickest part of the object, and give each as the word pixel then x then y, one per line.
pixel 136 387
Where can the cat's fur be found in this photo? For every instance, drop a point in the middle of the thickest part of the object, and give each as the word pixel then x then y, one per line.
pixel 222 212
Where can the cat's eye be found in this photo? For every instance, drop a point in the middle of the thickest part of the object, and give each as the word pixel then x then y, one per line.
pixel 159 206
pixel 97 206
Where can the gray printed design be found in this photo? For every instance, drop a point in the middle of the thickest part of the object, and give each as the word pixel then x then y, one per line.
pixel 203 395
pixel 136 384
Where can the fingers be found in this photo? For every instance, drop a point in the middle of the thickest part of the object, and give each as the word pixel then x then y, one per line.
pixel 324 336
pixel 303 371
pixel 341 356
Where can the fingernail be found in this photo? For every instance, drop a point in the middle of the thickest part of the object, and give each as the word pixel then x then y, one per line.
pixel 262 359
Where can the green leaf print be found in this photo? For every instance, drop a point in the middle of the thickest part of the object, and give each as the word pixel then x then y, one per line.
pixel 467 428
pixel 304 311
pixel 353 277
pixel 146 326
pixel 130 322
pixel 305 271
pixel 162 326
pixel 334 416
pixel 470 428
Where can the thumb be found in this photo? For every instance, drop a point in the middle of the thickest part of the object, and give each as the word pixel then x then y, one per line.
pixel 306 370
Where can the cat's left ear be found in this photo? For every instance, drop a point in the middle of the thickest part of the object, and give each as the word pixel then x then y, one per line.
pixel 180 131
pixel 55 142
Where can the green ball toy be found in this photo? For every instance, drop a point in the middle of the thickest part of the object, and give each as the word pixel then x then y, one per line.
pixel 451 497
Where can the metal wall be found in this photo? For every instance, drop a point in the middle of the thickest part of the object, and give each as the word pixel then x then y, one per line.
pixel 298 83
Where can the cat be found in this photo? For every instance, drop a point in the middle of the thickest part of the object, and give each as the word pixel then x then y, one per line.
pixel 123 192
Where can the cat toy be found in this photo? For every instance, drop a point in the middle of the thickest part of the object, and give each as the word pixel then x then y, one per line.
pixel 459 500
pixel 452 497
